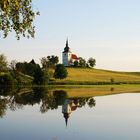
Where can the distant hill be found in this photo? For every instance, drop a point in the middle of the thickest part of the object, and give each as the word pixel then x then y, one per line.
pixel 98 76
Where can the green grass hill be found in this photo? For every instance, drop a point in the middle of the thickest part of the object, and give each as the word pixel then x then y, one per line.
pixel 98 76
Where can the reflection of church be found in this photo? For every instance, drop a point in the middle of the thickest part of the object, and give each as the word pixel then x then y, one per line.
pixel 67 109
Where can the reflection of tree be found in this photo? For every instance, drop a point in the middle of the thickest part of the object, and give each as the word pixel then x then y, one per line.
pixel 82 102
pixel 90 101
pixel 5 90
pixel 52 100
pixel 5 96
pixel 72 104
pixel 3 107
pixel 27 99
pixel 60 96
pixel 47 103
pixel 13 105
pixel 47 99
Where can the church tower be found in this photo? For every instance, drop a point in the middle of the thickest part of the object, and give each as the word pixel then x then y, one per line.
pixel 66 55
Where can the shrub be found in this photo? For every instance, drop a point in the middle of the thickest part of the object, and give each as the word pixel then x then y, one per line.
pixel 112 80
pixel 75 64
pixel 60 72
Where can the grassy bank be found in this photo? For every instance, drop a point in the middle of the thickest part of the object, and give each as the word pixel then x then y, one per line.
pixel 16 79
pixel 86 76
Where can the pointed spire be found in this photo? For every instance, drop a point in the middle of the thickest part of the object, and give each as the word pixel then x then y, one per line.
pixel 66 49
pixel 66 116
pixel 66 121
pixel 67 43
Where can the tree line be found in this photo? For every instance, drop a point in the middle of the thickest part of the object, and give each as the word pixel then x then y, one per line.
pixel 11 74
pixel 38 74
pixel 83 63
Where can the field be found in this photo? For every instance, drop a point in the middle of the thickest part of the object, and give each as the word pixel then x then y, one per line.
pixel 97 76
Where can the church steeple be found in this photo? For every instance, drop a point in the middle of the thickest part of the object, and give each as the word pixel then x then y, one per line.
pixel 67 43
pixel 67 49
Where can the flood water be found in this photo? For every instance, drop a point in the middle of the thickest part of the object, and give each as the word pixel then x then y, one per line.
pixel 44 115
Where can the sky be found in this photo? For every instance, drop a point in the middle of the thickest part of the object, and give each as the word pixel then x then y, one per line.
pixel 107 30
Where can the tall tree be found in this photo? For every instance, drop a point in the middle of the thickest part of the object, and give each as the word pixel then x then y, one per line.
pixel 45 63
pixel 49 61
pixel 53 60
pixel 17 15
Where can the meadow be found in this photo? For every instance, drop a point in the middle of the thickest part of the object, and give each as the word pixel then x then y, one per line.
pixel 87 76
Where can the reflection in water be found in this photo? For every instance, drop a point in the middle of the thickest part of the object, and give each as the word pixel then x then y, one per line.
pixel 71 105
pixel 3 107
pixel 47 99
pixel 67 108
pixel 118 113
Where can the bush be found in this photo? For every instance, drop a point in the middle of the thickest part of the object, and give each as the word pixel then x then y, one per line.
pixel 112 80
pixel 75 64
pixel 60 72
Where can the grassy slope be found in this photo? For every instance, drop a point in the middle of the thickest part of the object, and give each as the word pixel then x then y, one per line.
pixel 24 79
pixel 96 75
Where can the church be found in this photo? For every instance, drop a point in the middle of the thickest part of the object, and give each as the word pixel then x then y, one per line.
pixel 68 58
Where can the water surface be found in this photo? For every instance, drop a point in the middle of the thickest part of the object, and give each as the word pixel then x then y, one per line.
pixel 41 115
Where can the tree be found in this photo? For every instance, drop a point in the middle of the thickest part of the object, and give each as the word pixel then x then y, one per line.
pixel 49 61
pixel 3 63
pixel 53 60
pixel 75 64
pixel 39 76
pixel 27 68
pixel 21 67
pixel 82 62
pixel 60 72
pixel 92 62
pixel 17 15
pixel 45 63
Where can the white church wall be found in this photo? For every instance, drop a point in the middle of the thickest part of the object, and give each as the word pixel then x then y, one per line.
pixel 66 58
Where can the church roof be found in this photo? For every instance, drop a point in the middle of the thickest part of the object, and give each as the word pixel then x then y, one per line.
pixel 66 49
pixel 74 56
